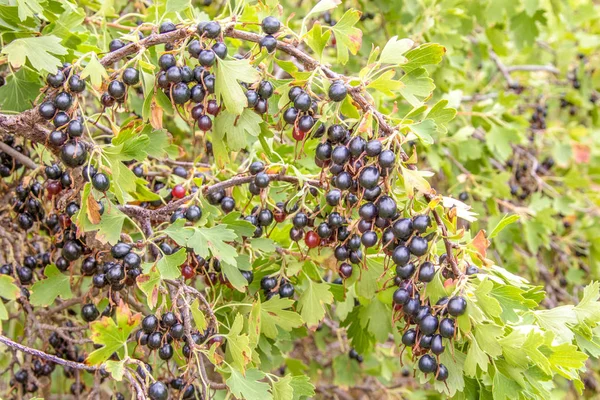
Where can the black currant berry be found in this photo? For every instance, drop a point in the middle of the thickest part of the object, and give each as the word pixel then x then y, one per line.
pixel 418 246
pixel 409 338
pixel 286 290
pixel 211 29
pixel 117 89
pixel 131 76
pixel 73 154
pixel 427 364
pixel 63 101
pixel 428 324
pixel 120 250
pixel 76 84
pixel 421 223
pixel 270 25
pixel 268 42
pixel 369 177
pixel 268 283
pixel 401 255
pixel 158 391
pixel 426 272
pixel 89 312
pixel 401 296
pixel 100 182
pixel 337 91
pixel 47 110
pixel 457 306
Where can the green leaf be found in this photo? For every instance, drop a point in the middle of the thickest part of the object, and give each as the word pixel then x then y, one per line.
pixel 525 29
pixel 282 388
pixel 95 71
pixel 227 88
pixel 426 54
pixel 312 302
pixel 417 86
pixel 235 127
pixel 111 221
pixel 487 303
pixel 317 39
pixel 499 140
pixel 28 8
pixel 504 222
pixel 9 291
pixel 347 36
pixel 148 284
pixel 320 7
pixel 475 357
pixel 238 350
pixel 370 317
pixel 44 292
pixel 198 315
pixel 385 84
pixel 302 387
pixel 441 114
pixel 116 369
pixel 249 386
pixel 274 313
pixel 393 52
pixel 504 388
pixel 178 5
pixel 111 335
pixel 20 91
pixel 38 50
pixel 168 265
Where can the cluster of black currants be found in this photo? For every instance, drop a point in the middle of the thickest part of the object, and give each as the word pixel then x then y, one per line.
pixel 25 272
pixel 39 368
pixel 8 164
pixel 271 287
pixel 59 107
pixel 159 334
pixel 270 26
pixel 27 204
pixel 538 118
pixel 160 391
pixel 116 274
pixel 433 326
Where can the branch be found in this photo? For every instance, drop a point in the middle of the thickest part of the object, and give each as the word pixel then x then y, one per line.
pixel 22 158
pixel 46 356
pixel 502 68
pixel 534 68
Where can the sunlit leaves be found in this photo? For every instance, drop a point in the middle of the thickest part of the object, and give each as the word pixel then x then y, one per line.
pixel 37 50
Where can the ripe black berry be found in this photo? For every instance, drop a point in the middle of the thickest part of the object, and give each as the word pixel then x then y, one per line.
pixel 457 306
pixel 302 102
pixel 373 148
pixel 409 338
pixel 421 223
pixel 337 91
pixel 63 101
pixel 268 283
pixel 131 76
pixel 73 154
pixel 56 80
pixel 89 312
pixel 286 290
pixel 269 43
pixel 426 272
pixel 270 25
pixel 47 110
pixel 427 364
pixel 149 323
pixel 369 177
pixel 401 296
pixel 120 250
pixel 158 391
pixel 101 182
pixel 76 84
pixel 210 30
pixel 117 89
pixel 418 246
pixel 401 255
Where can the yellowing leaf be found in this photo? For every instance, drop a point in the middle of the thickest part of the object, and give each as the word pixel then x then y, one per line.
pixel 348 37
pixel 414 180
pixel 393 52
pixel 238 350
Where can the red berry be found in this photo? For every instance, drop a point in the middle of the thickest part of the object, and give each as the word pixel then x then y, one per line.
pixel 298 135
pixel 279 215
pixel 178 192
pixel 213 108
pixel 187 271
pixel 312 240
pixel 53 188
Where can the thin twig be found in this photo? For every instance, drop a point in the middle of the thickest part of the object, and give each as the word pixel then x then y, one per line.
pixel 22 158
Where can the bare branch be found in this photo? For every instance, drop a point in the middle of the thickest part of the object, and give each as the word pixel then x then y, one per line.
pixel 22 158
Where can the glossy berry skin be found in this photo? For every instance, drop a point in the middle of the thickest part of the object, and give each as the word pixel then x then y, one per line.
pixel 165 352
pixel 457 306
pixel 373 148
pixel 227 204
pixel 405 271
pixel 100 182
pixel 75 128
pixel 117 89
pixel 427 364
pixel 149 323
pixel 401 296
pixel 178 192
pixel 71 251
pixel 261 180
pixel 63 101
pixel 120 250
pixel 401 255
pixel 89 312
pixel 421 223
pixel 312 239
pixel 437 345
pixel 337 91
pixel 268 283
pixel 471 270
pixel 294 92
pixel 57 138
pixel 345 270
pixel 386 207
pixel 270 25
pixel 61 119
pixel 418 246
pixel 302 102
pixel 265 89
pixel 76 84
pixel 131 76
pixel 220 50
pixel 166 26
pixel 428 325
pixel 56 80
pixel 115 45
pixel 409 338
pixel 73 154
pixel 369 177
pixel 286 290
pixel 210 30
pixel 426 272
pixel 193 213
pixel 158 391
pixel 298 134
pixel 47 110
pixel 442 373
pixel 268 42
